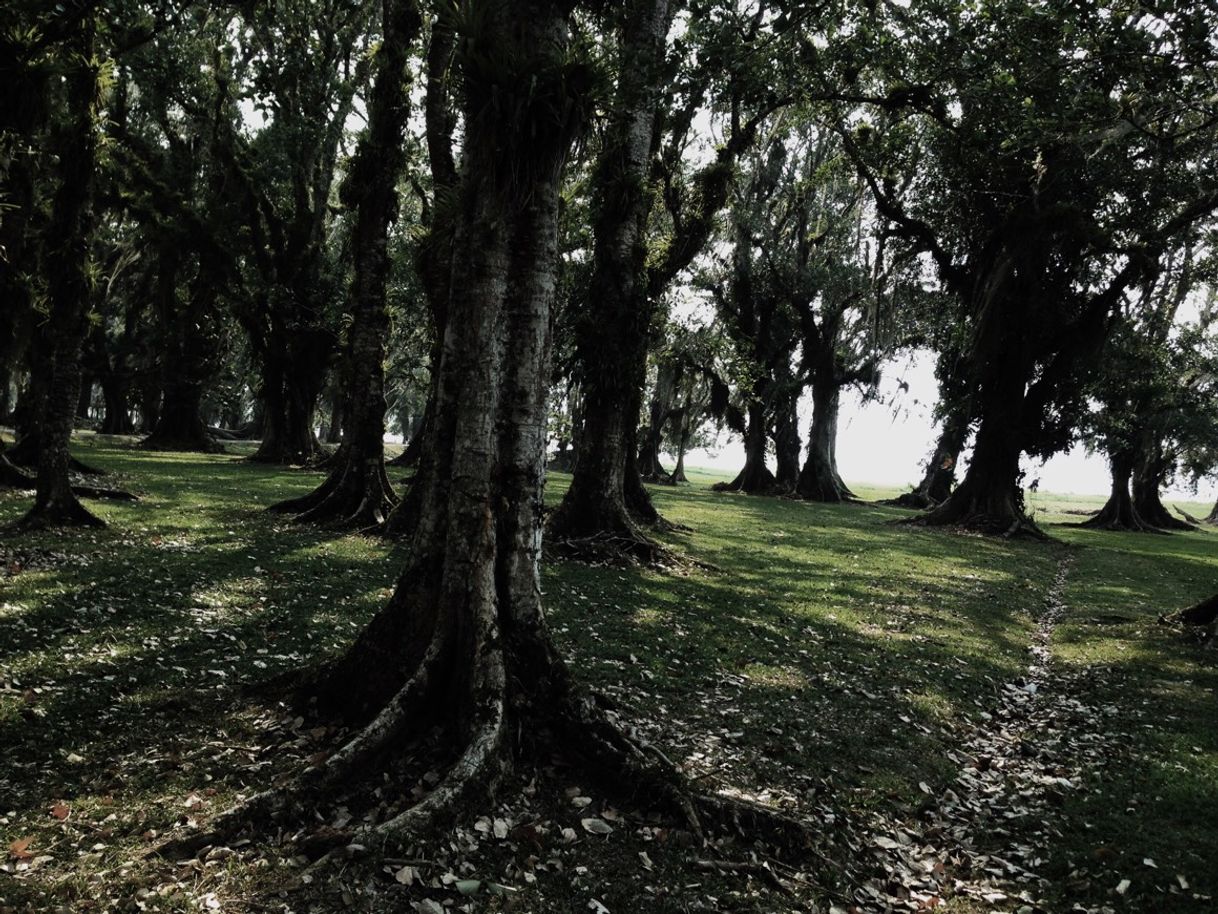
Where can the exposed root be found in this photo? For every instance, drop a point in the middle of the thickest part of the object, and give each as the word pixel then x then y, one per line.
pixel 204 445
pixel 621 549
pixel 915 500
pixel 68 513
pixel 1195 522
pixel 1201 614
pixel 11 477
pixel 100 492
pixel 985 524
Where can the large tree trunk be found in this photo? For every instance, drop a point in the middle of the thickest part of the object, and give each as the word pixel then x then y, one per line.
pixel 357 492
pixel 463 643
pixel 1119 512
pixel 606 498
pixel 1149 471
pixel 787 445
pixel 989 498
pixel 117 418
pixel 291 380
pixel 69 292
pixel 819 479
pixel 755 477
pixel 190 355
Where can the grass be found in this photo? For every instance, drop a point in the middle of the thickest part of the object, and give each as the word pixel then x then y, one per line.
pixel 829 666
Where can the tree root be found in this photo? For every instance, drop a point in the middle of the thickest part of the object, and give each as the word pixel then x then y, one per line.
pixel 1196 523
pixel 69 513
pixel 12 477
pixel 985 524
pixel 99 492
pixel 1200 614
pixel 621 549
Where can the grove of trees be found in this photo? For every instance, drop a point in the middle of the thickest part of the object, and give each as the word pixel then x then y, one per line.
pixel 623 229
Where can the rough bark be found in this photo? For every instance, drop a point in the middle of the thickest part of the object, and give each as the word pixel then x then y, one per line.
pixel 463 643
pixel 754 477
pixel 787 445
pixel 819 479
pixel 607 499
pixel 69 293
pixel 1149 472
pixel 357 492
pixel 1120 512
pixel 940 474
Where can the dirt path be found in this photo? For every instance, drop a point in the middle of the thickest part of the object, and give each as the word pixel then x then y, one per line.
pixel 1016 762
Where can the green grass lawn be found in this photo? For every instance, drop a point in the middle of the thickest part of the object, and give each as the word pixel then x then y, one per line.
pixel 828 665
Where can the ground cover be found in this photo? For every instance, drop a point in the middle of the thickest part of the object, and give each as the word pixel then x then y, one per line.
pixel 826 662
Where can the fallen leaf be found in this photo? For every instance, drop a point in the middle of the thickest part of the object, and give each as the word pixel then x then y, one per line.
pixel 20 848
pixel 596 826
pixel 60 811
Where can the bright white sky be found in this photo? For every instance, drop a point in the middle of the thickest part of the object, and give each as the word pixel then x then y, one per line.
pixel 884 442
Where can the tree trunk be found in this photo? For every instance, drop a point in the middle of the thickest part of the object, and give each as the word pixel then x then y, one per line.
pixel 181 426
pixel 819 479
pixel 289 392
pixel 334 428
pixel 1149 471
pixel 940 475
pixel 357 493
pixel 755 478
pixel 787 445
pixel 606 497
pixel 191 357
pixel 84 399
pixel 117 419
pixel 1119 512
pixel 69 292
pixel 989 498
pixel 463 644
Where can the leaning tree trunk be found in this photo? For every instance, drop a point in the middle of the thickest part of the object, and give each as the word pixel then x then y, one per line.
pixel 357 493
pixel 463 644
pixel 1149 471
pixel 755 477
pixel 606 499
pixel 988 499
pixel 69 291
pixel 819 479
pixel 1119 512
pixel 940 473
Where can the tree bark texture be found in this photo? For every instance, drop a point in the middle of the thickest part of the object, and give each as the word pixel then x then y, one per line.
pixel 819 479
pixel 1119 512
pixel 69 292
pixel 357 493
pixel 612 338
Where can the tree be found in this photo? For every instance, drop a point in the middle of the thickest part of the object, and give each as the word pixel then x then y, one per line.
pixel 640 165
pixel 68 281
pixel 1044 193
pixel 463 643
pixel 357 493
